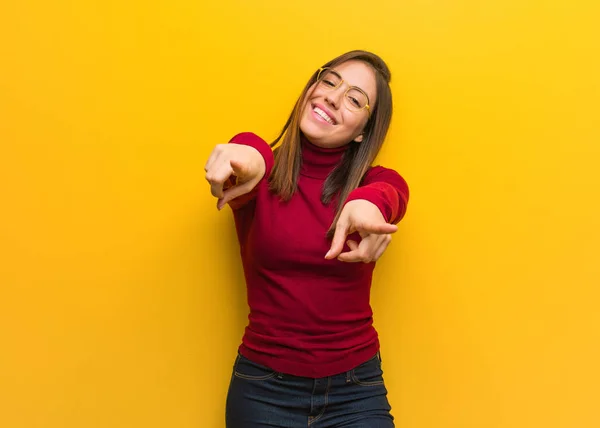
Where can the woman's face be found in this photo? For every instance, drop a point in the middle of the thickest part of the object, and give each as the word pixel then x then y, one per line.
pixel 330 119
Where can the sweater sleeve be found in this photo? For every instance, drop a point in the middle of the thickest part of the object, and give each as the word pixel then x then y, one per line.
pixel 386 189
pixel 252 140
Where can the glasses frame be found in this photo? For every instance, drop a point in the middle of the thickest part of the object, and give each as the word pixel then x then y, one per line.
pixel 332 88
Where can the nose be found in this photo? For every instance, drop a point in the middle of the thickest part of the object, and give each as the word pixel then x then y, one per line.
pixel 334 98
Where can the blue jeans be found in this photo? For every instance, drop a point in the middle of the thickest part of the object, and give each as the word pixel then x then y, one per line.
pixel 261 397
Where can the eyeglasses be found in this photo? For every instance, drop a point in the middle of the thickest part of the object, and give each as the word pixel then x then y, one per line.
pixel 355 98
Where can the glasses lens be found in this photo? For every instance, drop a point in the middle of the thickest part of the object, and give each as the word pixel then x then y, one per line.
pixel 355 99
pixel 329 79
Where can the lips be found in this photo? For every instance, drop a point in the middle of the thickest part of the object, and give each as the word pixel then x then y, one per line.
pixel 324 114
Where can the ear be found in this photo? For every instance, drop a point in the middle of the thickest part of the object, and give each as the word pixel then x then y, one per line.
pixel 359 139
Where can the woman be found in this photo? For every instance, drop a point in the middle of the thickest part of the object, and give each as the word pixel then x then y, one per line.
pixel 310 355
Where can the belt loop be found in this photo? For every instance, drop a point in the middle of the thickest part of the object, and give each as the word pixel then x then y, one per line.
pixel 379 356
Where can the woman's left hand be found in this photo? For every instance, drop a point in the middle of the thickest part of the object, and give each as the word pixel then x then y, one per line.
pixel 365 218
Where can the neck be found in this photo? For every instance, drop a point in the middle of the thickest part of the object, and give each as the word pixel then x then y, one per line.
pixel 318 162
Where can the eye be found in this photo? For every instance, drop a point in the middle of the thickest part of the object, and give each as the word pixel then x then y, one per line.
pixel 328 83
pixel 354 101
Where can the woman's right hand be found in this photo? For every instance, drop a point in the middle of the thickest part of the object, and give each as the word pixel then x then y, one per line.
pixel 243 162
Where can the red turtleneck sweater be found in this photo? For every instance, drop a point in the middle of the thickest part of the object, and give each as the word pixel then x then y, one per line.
pixel 308 316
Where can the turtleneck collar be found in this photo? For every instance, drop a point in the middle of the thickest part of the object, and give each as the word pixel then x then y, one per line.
pixel 318 162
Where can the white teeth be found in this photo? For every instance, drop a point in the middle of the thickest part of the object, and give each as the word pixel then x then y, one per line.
pixel 324 115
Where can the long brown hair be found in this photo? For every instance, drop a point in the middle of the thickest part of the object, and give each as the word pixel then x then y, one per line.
pixel 356 160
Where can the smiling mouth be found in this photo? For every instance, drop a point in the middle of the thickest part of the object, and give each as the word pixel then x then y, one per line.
pixel 321 113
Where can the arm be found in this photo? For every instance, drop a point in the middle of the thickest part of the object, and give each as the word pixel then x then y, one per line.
pixel 387 190
pixel 380 200
pixel 254 141
pixel 235 170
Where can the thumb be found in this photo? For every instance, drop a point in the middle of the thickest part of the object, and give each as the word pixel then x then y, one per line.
pixel 337 243
pixel 233 192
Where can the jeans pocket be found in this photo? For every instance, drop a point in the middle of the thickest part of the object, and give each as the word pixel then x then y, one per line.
pixel 369 373
pixel 246 369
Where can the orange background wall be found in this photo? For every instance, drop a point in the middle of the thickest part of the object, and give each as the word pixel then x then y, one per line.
pixel 121 295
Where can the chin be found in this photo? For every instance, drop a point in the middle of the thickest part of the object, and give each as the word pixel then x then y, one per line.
pixel 317 135
pixel 317 138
